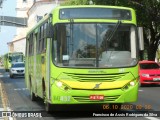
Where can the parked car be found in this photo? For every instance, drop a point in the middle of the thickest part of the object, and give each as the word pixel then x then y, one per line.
pixel 17 69
pixel 149 72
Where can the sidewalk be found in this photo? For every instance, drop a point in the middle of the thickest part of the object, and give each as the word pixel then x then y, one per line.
pixel 4 103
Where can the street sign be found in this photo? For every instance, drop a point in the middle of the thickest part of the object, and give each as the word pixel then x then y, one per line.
pixel 13 21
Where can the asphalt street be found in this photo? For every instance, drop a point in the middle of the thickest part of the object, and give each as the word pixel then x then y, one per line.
pixel 15 97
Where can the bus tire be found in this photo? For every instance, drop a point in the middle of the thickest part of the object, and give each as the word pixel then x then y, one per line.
pixel 32 95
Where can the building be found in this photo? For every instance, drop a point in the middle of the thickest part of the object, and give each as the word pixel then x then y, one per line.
pixel 38 10
pixel 18 42
pixel 34 10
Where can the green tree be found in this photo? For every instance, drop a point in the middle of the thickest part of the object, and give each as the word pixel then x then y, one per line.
pixel 75 2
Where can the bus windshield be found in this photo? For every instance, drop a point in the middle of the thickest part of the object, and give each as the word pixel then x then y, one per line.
pixel 94 45
pixel 16 58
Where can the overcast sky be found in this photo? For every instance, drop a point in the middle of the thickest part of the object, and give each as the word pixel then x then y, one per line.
pixel 7 33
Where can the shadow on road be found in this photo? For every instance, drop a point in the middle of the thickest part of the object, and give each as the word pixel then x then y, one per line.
pixel 151 85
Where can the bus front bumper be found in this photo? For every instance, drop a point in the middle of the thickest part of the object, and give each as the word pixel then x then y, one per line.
pixel 88 96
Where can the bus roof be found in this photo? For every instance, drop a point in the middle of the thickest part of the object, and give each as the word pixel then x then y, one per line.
pixel 75 6
pixel 93 6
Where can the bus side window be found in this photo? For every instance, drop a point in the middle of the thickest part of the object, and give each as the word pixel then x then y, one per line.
pixel 31 44
pixel 44 37
pixel 49 29
pixel 39 40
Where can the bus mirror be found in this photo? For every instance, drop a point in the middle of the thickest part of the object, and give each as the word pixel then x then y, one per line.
pixel 141 39
pixel 49 34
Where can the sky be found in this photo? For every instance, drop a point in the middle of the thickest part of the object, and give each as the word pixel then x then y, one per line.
pixel 7 33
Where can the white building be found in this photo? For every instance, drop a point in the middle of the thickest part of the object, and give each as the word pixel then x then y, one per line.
pixel 38 10
pixel 18 42
pixel 33 10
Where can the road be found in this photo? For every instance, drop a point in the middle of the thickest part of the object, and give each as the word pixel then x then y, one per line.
pixel 15 97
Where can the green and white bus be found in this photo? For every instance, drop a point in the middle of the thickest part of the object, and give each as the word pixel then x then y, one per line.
pixel 12 57
pixel 83 55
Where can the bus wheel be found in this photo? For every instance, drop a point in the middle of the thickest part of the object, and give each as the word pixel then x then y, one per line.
pixel 33 96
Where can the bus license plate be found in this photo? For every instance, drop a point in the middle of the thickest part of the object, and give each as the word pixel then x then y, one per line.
pixel 96 97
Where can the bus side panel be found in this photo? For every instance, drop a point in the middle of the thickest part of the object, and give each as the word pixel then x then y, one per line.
pixel 39 76
pixel 43 72
pixel 26 66
pixel 48 69
pixel 30 71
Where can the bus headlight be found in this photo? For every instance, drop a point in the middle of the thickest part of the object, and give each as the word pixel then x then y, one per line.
pixel 59 84
pixel 62 86
pixel 130 84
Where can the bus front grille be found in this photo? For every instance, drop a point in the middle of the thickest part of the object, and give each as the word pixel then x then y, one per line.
pixel 96 77
pixel 87 99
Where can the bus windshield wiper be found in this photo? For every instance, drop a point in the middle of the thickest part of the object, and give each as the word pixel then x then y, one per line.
pixel 114 30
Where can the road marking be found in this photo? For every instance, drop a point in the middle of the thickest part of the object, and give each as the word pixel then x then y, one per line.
pixel 4 76
pixel 20 89
pixel 140 90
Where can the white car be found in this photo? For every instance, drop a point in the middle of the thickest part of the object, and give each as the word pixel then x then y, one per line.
pixel 17 69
